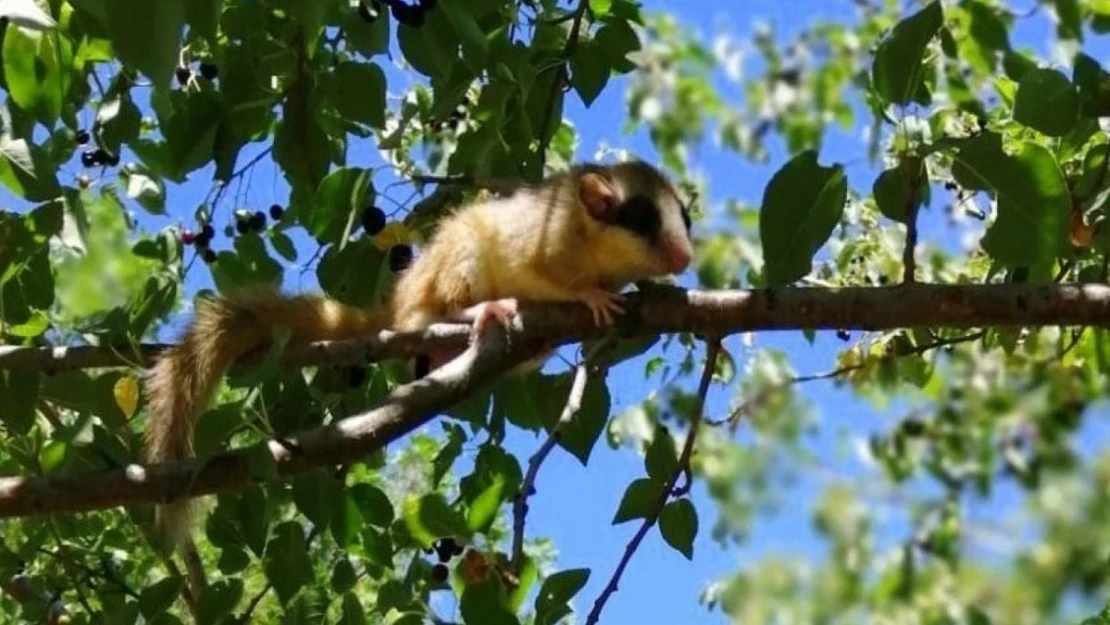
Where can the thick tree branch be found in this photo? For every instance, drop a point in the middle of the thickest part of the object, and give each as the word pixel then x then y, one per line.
pixel 661 310
pixel 403 410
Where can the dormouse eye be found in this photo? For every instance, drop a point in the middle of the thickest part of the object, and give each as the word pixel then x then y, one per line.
pixel 639 215
pixel 686 217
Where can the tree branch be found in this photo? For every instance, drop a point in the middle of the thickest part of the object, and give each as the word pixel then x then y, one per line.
pixel 402 411
pixel 682 468
pixel 661 310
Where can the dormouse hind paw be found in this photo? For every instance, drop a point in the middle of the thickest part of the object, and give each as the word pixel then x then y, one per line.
pixel 503 310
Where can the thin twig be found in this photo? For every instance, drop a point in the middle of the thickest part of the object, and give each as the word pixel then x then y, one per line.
pixel 560 80
pixel 747 406
pixel 245 617
pixel 570 412
pixel 67 564
pixel 682 468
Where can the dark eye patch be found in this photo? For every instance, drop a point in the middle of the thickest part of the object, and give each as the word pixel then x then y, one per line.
pixel 639 215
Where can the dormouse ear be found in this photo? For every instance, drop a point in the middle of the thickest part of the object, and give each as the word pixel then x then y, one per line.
pixel 597 195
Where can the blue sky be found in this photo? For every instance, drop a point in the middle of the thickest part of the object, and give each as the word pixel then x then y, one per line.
pixel 574 504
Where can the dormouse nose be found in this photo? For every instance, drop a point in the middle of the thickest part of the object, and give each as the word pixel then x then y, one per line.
pixel 678 257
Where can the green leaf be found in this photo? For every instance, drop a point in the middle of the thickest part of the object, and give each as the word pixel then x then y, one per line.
pixel 639 501
pixel 287 564
pixel 1033 203
pixel 343 576
pixel 27 171
pixel 218 600
pixel 147 35
pixel 1070 25
pixel 484 603
pixel 346 520
pixel 474 45
pixel 203 18
pixel 159 596
pixel 893 189
pixel 361 93
pixel 260 463
pixel 661 458
pixel 1093 86
pixel 1047 102
pixel 377 547
pixel 897 70
pixel 618 40
pixel 601 7
pixel 589 72
pixel 19 392
pixel 353 612
pixel 495 479
pixel 37 68
pixel 354 274
pixel 147 190
pixel 313 492
pixel 373 503
pixel 429 517
pixel 118 121
pixel 340 199
pixel 679 525
pixel 441 464
pixel 431 48
pixel 559 588
pixel 581 435
pixel 801 205
pixel 367 38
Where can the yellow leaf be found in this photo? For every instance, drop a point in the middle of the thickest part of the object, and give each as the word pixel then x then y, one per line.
pixel 126 392
pixel 394 233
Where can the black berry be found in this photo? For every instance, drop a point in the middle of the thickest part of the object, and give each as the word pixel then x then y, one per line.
pixel 446 548
pixel 188 237
pixel 369 11
pixel 409 15
pixel 276 211
pixel 209 71
pixel 208 231
pixel 843 335
pixel 111 159
pixel 203 240
pixel 183 74
pixel 209 256
pixel 399 258
pixel 242 226
pixel 356 376
pixel 421 366
pixel 439 573
pixel 373 220
pixel 82 137
pixel 258 221
pixel 88 158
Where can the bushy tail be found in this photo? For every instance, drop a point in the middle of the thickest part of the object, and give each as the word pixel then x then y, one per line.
pixel 180 384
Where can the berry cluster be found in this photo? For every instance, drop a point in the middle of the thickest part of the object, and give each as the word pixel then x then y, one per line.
pixel 407 14
pixel 208 70
pixel 454 120
pixel 446 549
pixel 202 242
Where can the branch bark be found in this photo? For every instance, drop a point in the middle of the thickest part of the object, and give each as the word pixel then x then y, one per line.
pixel 658 310
pixel 662 310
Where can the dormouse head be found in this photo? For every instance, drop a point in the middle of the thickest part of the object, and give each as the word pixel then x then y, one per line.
pixel 645 225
